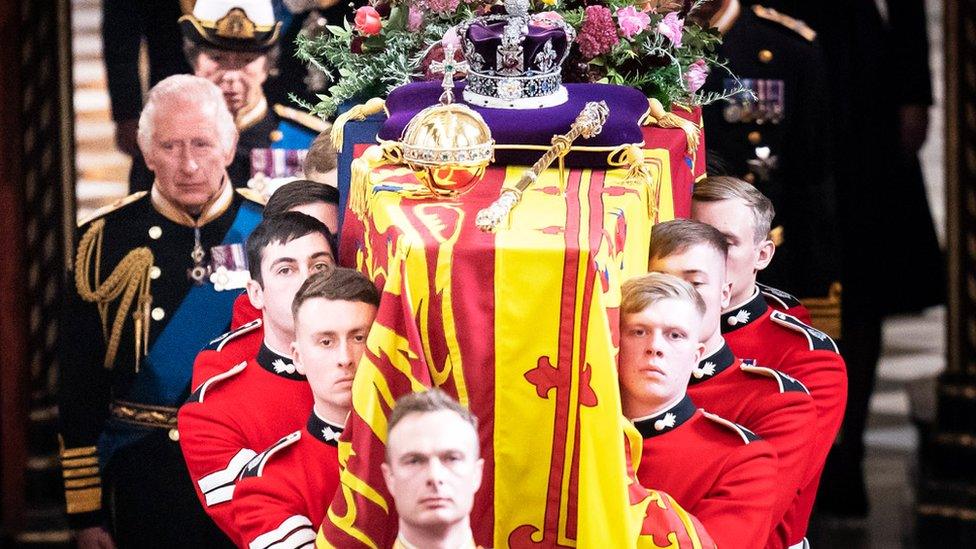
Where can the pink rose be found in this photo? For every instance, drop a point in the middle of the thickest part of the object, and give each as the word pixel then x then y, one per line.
pixel 671 27
pixel 631 21
pixel 695 75
pixel 415 19
pixel 368 21
pixel 547 19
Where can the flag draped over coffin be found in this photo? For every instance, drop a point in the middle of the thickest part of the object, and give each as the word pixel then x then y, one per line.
pixel 521 327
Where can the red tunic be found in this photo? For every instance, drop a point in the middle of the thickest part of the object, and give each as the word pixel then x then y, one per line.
pixel 231 417
pixel 780 341
pixel 225 352
pixel 285 491
pixel 773 405
pixel 775 298
pixel 243 312
pixel 719 471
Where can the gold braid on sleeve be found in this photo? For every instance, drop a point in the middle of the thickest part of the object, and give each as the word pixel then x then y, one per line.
pixel 128 284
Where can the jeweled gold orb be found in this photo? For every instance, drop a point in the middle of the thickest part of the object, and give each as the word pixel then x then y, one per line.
pixel 448 148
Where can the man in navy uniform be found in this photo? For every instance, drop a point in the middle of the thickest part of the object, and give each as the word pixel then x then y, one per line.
pixel 142 306
pixel 776 138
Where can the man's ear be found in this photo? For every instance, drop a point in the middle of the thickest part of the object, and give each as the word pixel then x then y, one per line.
pixel 726 295
pixel 296 358
pixel 765 254
pixel 255 294
pixel 388 477
pixel 479 472
pixel 229 153
pixel 699 352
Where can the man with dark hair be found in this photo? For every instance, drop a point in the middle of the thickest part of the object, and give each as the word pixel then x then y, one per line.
pixel 236 413
pixel 284 492
pixel 719 471
pixel 768 402
pixel 140 306
pixel 309 197
pixel 773 338
pixel 433 470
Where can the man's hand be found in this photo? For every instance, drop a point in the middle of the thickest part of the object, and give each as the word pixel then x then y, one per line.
pixel 914 127
pixel 125 136
pixel 94 538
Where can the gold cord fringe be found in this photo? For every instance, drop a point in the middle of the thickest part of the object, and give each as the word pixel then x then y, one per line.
pixel 359 112
pixel 631 158
pixel 661 118
pixel 128 283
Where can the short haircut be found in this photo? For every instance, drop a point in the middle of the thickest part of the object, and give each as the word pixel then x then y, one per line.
pixel 336 284
pixel 724 187
pixel 299 193
pixel 677 235
pixel 281 228
pixel 429 401
pixel 177 91
pixel 641 292
pixel 322 156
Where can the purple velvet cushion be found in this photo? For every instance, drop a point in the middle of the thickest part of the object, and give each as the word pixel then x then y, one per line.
pixel 535 126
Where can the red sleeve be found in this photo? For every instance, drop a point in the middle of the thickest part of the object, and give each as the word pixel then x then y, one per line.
pixel 269 511
pixel 785 426
pixel 737 510
pixel 215 451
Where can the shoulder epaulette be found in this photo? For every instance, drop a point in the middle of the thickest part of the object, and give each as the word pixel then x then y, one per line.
pixel 255 467
pixel 791 23
pixel 786 382
pixel 105 210
pixel 311 122
pixel 252 195
pixel 218 343
pixel 818 340
pixel 746 435
pixel 786 300
pixel 201 391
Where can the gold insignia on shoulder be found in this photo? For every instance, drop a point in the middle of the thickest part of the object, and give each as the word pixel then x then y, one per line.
pixel 791 23
pixel 104 210
pixel 252 195
pixel 310 121
pixel 235 25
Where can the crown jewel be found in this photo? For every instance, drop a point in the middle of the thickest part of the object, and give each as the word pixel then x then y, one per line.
pixel 514 60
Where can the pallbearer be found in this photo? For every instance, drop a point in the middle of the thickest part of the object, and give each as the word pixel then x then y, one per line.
pixel 721 472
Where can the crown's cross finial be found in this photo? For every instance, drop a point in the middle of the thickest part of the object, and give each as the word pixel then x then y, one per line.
pixel 449 67
pixel 517 8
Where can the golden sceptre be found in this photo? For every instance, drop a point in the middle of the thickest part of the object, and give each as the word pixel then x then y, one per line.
pixel 588 123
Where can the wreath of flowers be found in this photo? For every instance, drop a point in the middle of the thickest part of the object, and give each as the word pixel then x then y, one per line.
pixel 655 46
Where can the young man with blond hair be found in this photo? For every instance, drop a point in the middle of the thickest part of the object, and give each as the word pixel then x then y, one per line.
pixel 721 472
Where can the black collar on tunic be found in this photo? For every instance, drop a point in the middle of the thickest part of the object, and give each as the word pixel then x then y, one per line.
pixel 742 315
pixel 668 420
pixel 278 365
pixel 322 430
pixel 713 364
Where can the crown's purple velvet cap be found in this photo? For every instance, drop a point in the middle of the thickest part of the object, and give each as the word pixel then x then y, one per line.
pixel 533 126
pixel 487 37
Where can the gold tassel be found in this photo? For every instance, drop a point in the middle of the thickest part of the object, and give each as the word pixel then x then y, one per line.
pixel 360 184
pixel 631 157
pixel 359 112
pixel 661 118
pixel 129 278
